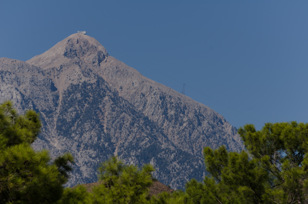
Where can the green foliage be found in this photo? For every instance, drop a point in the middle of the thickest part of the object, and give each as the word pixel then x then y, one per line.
pixel 122 183
pixel 27 176
pixel 273 171
pixel 77 195
pixel 281 150
pixel 63 164
pixel 177 197
pixel 17 129
pixel 240 179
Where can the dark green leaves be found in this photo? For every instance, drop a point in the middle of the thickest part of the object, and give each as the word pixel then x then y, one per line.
pixel 27 176
pixel 16 129
pixel 274 170
pixel 123 183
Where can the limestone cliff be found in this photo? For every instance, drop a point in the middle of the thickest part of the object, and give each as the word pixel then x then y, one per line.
pixel 94 106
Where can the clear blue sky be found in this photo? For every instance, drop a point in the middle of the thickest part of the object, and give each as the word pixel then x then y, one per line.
pixel 246 59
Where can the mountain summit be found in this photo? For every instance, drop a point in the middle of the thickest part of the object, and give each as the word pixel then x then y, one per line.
pixel 95 106
pixel 76 46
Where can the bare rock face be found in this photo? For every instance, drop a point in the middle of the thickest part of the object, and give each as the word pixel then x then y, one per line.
pixel 95 106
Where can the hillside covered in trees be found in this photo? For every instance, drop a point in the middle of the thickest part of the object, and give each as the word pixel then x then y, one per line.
pixel 274 169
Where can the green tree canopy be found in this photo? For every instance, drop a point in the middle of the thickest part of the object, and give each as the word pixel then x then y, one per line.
pixel 27 176
pixel 76 195
pixel 273 170
pixel 122 183
pixel 281 149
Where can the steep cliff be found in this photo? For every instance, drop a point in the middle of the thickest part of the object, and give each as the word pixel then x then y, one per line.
pixel 94 106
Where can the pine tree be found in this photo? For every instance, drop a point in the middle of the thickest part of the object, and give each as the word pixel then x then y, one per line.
pixel 27 176
pixel 273 170
pixel 122 183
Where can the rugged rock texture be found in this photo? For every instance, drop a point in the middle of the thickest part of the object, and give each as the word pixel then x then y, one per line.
pixel 94 106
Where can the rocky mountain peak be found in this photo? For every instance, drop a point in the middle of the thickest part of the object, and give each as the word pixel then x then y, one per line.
pixel 95 106
pixel 80 45
pixel 77 46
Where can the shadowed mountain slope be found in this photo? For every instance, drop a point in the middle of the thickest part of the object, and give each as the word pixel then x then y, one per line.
pixel 95 106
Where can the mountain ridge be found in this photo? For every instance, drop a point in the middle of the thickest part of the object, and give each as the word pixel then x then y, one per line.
pixel 94 106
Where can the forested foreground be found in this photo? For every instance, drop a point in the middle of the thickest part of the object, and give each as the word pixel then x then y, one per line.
pixel 273 169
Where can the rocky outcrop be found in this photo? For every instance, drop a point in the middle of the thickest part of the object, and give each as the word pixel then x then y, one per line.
pixel 94 106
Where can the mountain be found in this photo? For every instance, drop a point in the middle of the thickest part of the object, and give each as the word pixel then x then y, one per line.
pixel 95 106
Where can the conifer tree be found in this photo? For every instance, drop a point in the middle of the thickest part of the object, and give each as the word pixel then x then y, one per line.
pixel 27 176
pixel 122 183
pixel 273 170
